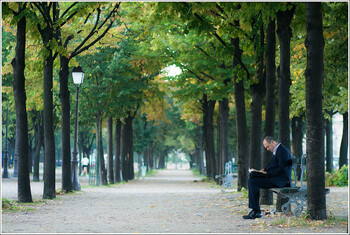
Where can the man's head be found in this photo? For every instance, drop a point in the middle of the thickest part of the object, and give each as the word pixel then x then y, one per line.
pixel 269 143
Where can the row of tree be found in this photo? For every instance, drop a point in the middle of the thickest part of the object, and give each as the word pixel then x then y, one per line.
pixel 227 53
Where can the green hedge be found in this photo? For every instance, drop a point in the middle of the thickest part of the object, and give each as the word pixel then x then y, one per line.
pixel 337 177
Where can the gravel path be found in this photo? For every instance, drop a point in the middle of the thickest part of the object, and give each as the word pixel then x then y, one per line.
pixel 169 202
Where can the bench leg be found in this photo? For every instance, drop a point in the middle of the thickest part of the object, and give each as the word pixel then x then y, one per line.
pixel 299 199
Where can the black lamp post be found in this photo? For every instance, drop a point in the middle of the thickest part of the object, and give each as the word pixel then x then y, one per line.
pixel 78 77
pixel 5 173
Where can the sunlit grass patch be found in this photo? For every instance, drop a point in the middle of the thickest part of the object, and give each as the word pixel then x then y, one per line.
pixel 305 221
pixel 13 206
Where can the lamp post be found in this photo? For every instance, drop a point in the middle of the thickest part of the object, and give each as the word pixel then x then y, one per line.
pixel 5 174
pixel 78 77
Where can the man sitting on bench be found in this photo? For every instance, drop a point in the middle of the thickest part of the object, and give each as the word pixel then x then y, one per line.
pixel 276 175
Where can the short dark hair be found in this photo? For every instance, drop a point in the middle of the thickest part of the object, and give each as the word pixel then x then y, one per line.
pixel 268 139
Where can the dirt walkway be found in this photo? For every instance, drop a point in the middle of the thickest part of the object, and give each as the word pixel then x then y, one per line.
pixel 170 202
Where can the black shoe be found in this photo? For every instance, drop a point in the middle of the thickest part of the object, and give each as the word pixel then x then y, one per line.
pixel 252 215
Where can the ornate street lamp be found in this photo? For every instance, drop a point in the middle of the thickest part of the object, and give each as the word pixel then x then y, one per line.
pixel 78 77
pixel 5 173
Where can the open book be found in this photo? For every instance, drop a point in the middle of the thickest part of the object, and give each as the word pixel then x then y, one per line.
pixel 256 173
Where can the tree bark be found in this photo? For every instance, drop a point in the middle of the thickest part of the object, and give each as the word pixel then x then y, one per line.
pixel 49 138
pixel 38 129
pixel 343 155
pixel 329 144
pixel 123 153
pixel 97 167
pixel 316 200
pixel 297 140
pixel 284 33
pixel 117 166
pixel 241 122
pixel 18 64
pixel 103 170
pixel 222 150
pixel 110 149
pixel 256 110
pixel 65 103
pixel 208 133
pixel 270 110
pixel 129 147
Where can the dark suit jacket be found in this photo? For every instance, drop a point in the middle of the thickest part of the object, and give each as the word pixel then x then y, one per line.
pixel 280 167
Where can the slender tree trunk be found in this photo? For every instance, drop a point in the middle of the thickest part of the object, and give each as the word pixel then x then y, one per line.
pixel 297 140
pixel 316 200
pixel 30 153
pixel 329 144
pixel 270 111
pixel 208 131
pixel 256 110
pixel 18 64
pixel 97 167
pixel 161 164
pixel 66 149
pixel 200 151
pixel 222 136
pixel 103 171
pixel 343 156
pixel 49 138
pixel 117 162
pixel 284 33
pixel 123 153
pixel 110 149
pixel 241 122
pixel 129 147
pixel 38 128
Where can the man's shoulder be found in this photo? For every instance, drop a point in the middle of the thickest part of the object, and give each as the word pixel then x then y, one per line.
pixel 283 148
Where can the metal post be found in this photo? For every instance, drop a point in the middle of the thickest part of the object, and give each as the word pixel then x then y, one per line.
pixel 15 158
pixel 75 179
pixel 5 174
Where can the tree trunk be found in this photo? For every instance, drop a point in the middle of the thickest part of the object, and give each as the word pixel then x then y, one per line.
pixel 200 152
pixel 18 63
pixel 65 102
pixel 30 152
pixel 37 120
pixel 297 140
pixel 129 147
pixel 284 33
pixel 241 122
pixel 146 157
pixel 329 144
pixel 103 170
pixel 256 110
pixel 161 163
pixel 110 149
pixel 222 157
pixel 123 153
pixel 117 151
pixel 270 111
pixel 343 154
pixel 208 132
pixel 97 167
pixel 49 138
pixel 316 200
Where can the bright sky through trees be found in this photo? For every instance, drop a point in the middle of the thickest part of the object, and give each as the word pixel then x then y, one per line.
pixel 172 70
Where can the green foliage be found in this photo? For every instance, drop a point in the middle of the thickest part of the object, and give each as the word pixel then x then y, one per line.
pixel 245 192
pixel 338 177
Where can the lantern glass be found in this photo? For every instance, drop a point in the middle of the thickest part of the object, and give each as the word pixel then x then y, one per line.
pixel 78 77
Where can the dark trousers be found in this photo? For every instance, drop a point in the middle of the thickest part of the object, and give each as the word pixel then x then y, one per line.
pixel 254 186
